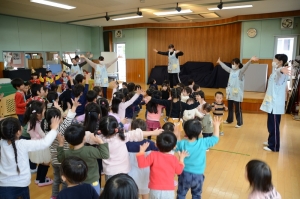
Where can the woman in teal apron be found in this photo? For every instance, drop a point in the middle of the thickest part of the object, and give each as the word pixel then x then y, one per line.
pixel 235 88
pixel 274 101
pixel 173 65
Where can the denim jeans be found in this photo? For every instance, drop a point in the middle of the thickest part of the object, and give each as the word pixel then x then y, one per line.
pixel 14 193
pixel 57 180
pixel 96 186
pixel 191 181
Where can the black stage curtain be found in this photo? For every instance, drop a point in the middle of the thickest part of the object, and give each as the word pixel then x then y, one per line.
pixel 203 73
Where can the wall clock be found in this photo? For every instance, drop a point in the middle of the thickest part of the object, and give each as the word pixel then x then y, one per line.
pixel 252 32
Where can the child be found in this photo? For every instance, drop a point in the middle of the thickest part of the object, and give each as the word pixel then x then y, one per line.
pixel 207 122
pixel 235 88
pixel 27 91
pixel 140 176
pixel 165 91
pixel 66 96
pixel 75 135
pixel 76 69
pixel 100 75
pixel 112 134
pixel 218 108
pixel 191 114
pixel 20 100
pixel 191 83
pixel 192 176
pixel 38 92
pixel 74 171
pixel 130 86
pixel 64 80
pixel 49 79
pixel 98 90
pixel 132 110
pixel 124 85
pixel 185 95
pixel 91 96
pixel 15 175
pixel 168 126
pixel 259 175
pixel 152 82
pixel 199 97
pixel 120 186
pixel 52 113
pixel 180 85
pixel 34 78
pixel 35 111
pixel 104 106
pixel 92 117
pixel 163 165
pixel 80 91
pixel 154 113
pixel 196 88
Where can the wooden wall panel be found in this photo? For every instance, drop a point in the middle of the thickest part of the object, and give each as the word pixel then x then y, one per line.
pixel 197 44
pixel 262 61
pixel 1 69
pixel 135 70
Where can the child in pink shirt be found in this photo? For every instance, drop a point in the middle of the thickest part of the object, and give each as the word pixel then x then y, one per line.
pixel 112 134
pixel 163 165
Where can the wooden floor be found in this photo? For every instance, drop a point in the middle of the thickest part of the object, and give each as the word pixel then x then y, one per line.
pixel 224 174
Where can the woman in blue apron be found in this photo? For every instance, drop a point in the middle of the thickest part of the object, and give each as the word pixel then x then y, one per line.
pixel 235 88
pixel 100 74
pixel 75 68
pixel 173 65
pixel 274 101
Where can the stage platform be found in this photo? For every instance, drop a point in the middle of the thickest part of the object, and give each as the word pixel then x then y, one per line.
pixel 251 102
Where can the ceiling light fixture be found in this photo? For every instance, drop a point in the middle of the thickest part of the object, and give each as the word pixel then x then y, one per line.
pixel 220 5
pixel 139 12
pixel 178 8
pixel 232 7
pixel 172 12
pixel 107 17
pixel 130 17
pixel 54 4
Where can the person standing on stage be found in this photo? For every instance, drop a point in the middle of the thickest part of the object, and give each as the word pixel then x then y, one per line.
pixel 173 66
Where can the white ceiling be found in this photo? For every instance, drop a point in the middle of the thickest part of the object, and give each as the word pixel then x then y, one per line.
pixel 96 9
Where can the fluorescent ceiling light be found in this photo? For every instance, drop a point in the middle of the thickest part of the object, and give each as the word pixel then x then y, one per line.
pixel 231 7
pixel 123 18
pixel 172 12
pixel 54 4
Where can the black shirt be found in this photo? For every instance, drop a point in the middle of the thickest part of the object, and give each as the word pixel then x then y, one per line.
pixel 81 191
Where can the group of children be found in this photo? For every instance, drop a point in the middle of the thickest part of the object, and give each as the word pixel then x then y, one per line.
pixel 83 135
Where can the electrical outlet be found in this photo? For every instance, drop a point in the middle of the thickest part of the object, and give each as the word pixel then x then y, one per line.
pixel 139 75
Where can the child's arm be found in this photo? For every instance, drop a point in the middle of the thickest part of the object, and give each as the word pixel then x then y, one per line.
pixel 131 101
pixel 189 106
pixel 141 159
pixel 198 114
pixel 226 68
pixel 180 164
pixel 213 140
pixel 41 78
pixel 19 100
pixel 60 148
pixel 138 135
pixel 157 101
pixel 92 64
pixel 112 62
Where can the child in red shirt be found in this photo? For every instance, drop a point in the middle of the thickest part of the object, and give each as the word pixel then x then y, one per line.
pixel 37 92
pixel 34 78
pixel 20 100
pixel 163 165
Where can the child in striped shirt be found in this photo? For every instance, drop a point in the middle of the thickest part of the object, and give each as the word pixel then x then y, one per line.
pixel 218 108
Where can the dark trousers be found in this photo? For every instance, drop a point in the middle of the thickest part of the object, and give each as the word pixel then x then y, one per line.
pixel 14 193
pixel 172 80
pixel 238 112
pixel 191 181
pixel 31 164
pixel 274 131
pixel 21 119
pixel 104 92
pixel 42 173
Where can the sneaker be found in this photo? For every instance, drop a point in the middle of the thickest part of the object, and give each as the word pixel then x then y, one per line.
pixel 237 126
pixel 225 122
pixel 47 182
pixel 267 148
pixel 265 144
pixel 33 170
pixel 37 181
pixel 221 133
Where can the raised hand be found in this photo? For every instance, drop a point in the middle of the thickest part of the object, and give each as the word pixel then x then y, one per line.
pixel 55 121
pixel 144 147
pixel 120 56
pixel 155 50
pixel 91 55
pixel 82 56
pixel 75 102
pixel 254 58
pixel 217 121
pixel 182 155
pixel 285 70
pixel 61 139
pixel 219 60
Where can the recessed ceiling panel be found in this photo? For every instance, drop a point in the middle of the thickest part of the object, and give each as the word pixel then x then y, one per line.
pixel 209 15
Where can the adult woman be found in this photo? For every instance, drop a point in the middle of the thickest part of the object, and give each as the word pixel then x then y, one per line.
pixel 274 101
pixel 173 65
pixel 235 88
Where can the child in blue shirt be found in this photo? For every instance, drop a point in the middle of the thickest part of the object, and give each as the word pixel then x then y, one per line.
pixel 80 91
pixel 192 176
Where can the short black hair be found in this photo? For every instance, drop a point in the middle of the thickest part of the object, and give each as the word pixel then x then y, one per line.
pixel 282 57
pixel 74 169
pixel 101 58
pixel 76 57
pixel 171 46
pixel 196 87
pixel 201 93
pixel 219 93
pixel 130 86
pixel 48 71
pixel 69 84
pixel 17 82
pixel 34 74
pixel 77 90
pixel 181 85
pixel 188 90
pixel 97 89
pixel 124 83
pixel 91 96
pixel 151 81
pixel 35 88
pixel 192 128
pixel 53 87
pixel 27 83
pixel 79 78
pixel 139 123
pixel 166 141
pixel 259 176
pixel 74 134
pixel 207 107
pixel 168 126
pixel 191 81
pixel 52 96
pixel 137 86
